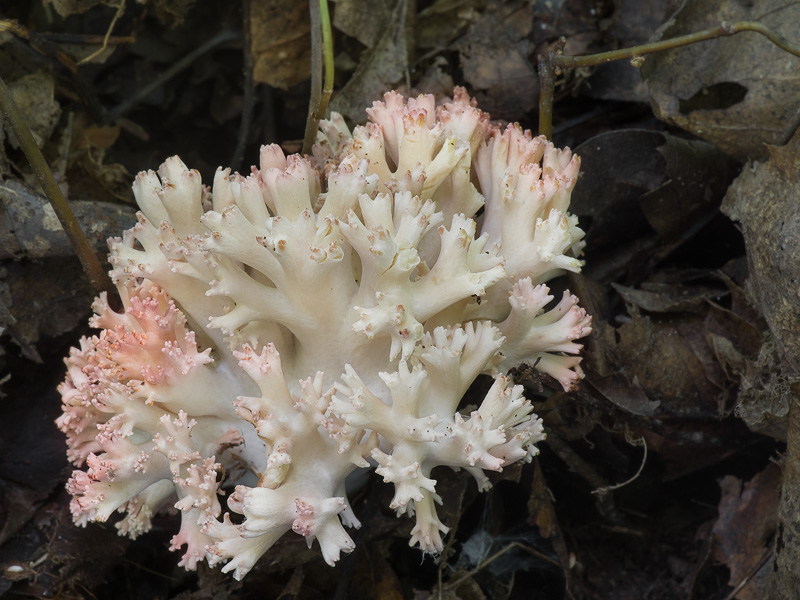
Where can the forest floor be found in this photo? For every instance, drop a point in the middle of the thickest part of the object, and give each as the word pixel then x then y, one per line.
pixel 661 474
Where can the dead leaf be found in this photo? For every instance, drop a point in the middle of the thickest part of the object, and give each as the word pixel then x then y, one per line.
pixel 763 199
pixel 66 8
pixel 281 46
pixel 660 354
pixel 632 23
pixel 662 297
pixel 33 95
pixel 364 20
pixel 739 92
pixel 172 12
pixel 444 20
pixel 765 393
pixel 746 523
pixel 617 169
pixel 541 511
pixel 380 69
pixel 625 394
pixel 696 180
pixel 494 57
pixel 643 192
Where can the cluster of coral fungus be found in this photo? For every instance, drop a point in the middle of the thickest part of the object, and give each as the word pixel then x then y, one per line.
pixel 321 315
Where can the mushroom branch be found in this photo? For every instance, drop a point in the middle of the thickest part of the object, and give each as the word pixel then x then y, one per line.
pixel 324 314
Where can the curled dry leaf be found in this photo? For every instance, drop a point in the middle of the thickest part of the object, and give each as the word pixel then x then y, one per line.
pixel 738 92
pixel 746 524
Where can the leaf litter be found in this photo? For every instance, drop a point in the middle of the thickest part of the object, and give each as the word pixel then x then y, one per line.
pixel 691 363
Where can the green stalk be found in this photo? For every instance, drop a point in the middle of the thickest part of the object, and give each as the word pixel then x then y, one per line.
pixel 321 57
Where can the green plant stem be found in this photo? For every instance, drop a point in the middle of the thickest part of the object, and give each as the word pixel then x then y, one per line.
pixel 97 274
pixel 551 63
pixel 327 48
pixel 321 57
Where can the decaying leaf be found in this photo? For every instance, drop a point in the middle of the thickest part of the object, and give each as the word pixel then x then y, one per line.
pixel 665 357
pixel 765 393
pixel 695 181
pixel 364 20
pixel 642 192
pixel 632 23
pixel 494 58
pixel 444 20
pixel 763 199
pixel 281 42
pixel 66 8
pixel 746 524
pixel 33 94
pixel 171 12
pixel 381 68
pixel 738 92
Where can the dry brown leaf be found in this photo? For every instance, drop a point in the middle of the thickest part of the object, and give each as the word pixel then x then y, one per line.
pixel 633 23
pixel 281 46
pixel 695 182
pixel 661 356
pixel 739 93
pixel 746 523
pixel 380 69
pixel 364 20
pixel 172 12
pixel 494 58
pixel 33 94
pixel 763 199
pixel 541 511
pixel 636 182
pixel 66 8
pixel 441 22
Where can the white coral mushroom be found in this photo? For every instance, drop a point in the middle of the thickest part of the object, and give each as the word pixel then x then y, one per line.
pixel 321 315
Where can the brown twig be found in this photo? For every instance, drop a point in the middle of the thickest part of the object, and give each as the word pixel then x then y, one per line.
pixel 91 264
pixel 454 583
pixel 551 62
pixel 44 46
pixel 99 51
pixel 249 100
pixel 177 67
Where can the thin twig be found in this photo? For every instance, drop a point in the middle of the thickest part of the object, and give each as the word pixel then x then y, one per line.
pixel 45 47
pixel 605 502
pixel 452 584
pixel 551 62
pixel 725 29
pixel 601 491
pixel 321 57
pixel 117 15
pixel 183 63
pixel 97 275
pixel 750 574
pixel 88 39
pixel 39 43
pixel 249 100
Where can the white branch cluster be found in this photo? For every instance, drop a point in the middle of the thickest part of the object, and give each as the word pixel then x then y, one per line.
pixel 345 303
